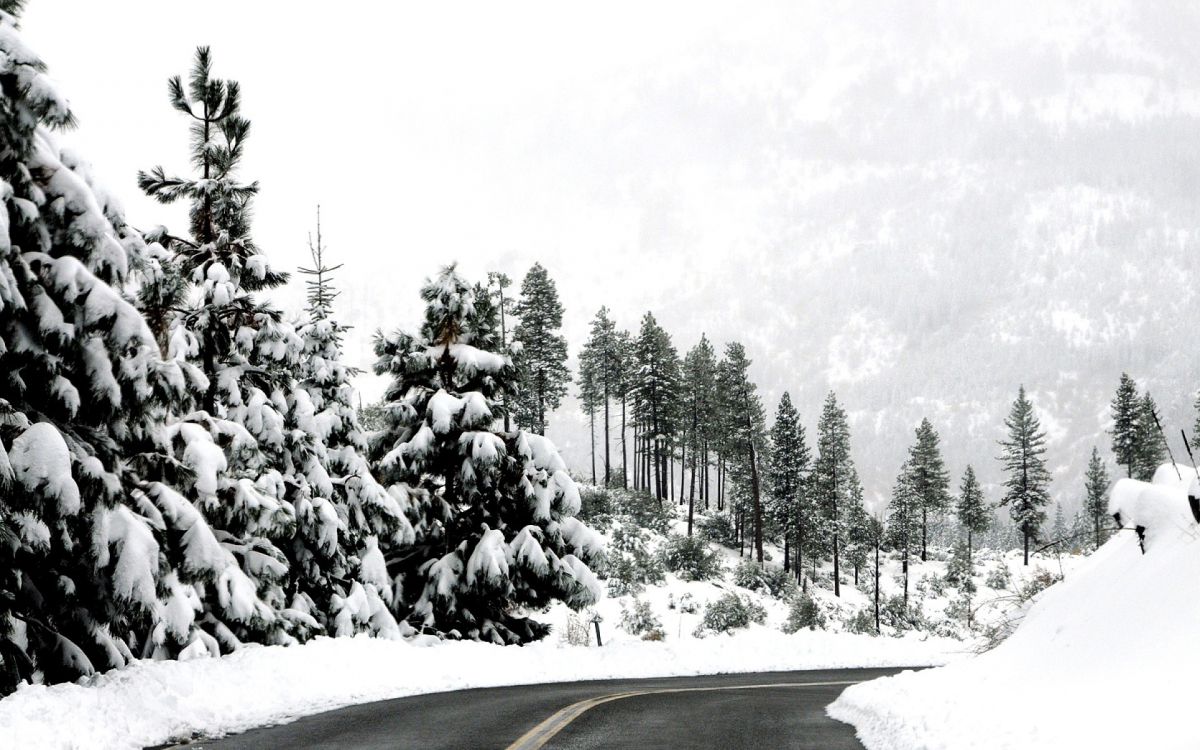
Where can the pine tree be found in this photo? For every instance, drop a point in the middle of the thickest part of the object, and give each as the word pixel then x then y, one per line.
pixel 602 356
pixel 1096 505
pixel 248 455
pixel 541 351
pixel 904 520
pixel 1150 452
pixel 655 396
pixel 501 281
pixel 787 472
pixel 1126 429
pixel 930 480
pixel 973 513
pixel 858 532
pixel 1024 462
pixel 339 568
pixel 744 436
pixel 699 388
pixel 832 472
pixel 495 529
pixel 97 562
pixel 623 379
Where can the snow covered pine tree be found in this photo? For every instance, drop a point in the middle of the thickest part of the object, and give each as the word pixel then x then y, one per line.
pixel 86 580
pixel 495 526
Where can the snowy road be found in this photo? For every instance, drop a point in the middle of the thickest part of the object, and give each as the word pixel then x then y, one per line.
pixel 775 709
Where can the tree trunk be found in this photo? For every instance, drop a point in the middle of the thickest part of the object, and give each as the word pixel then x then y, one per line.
pixel 924 520
pixel 592 429
pixel 624 459
pixel 692 495
pixel 607 461
pixel 877 587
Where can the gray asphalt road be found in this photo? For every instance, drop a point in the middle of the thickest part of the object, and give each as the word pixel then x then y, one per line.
pixel 765 710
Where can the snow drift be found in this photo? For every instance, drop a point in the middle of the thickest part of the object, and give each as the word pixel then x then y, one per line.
pixel 1105 659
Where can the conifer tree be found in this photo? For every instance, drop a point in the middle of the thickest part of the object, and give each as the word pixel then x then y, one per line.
pixel 930 480
pixel 745 435
pixel 339 568
pixel 1023 458
pixel 655 394
pixel 699 387
pixel 1126 429
pixel 501 281
pixel 540 351
pixel 1149 453
pixel 973 513
pixel 787 472
pixel 495 529
pixel 602 354
pixel 831 479
pixel 589 399
pixel 98 563
pixel 1096 503
pixel 858 539
pixel 623 379
pixel 250 459
pixel 904 520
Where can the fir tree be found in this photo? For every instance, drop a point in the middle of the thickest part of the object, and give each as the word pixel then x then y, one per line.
pixel 1024 462
pixel 1149 452
pixel 1126 429
pixel 655 393
pixel 495 529
pixel 501 281
pixel 930 480
pixel 858 532
pixel 787 472
pixel 1096 504
pixel 973 513
pixel 832 472
pixel 602 355
pixel 541 351
pixel 745 434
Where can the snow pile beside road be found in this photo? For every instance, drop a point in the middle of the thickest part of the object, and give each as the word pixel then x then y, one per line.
pixel 1105 659
pixel 150 703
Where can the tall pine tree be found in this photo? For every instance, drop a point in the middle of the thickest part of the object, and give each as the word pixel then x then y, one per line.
pixel 541 351
pixel 973 512
pixel 1027 481
pixel 832 473
pixel 1149 452
pixel 787 474
pixel 930 480
pixel 1126 428
pixel 1095 504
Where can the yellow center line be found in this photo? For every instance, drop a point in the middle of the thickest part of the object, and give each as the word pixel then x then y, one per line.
pixel 543 732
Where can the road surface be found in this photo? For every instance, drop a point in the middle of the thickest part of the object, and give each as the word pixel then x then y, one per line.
pixel 759 711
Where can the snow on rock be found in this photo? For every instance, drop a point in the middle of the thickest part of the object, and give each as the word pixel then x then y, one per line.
pixel 40 458
pixel 1105 659
pixel 155 702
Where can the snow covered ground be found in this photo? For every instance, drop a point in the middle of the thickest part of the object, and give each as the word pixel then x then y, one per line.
pixel 1105 659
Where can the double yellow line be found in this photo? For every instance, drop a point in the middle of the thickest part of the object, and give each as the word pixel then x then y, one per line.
pixel 545 731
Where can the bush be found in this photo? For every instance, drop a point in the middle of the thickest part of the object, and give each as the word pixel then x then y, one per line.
pixel 930 585
pixel 640 619
pixel 804 613
pixel 595 507
pixel 895 615
pixel 774 581
pixel 999 577
pixel 690 558
pixel 730 612
pixel 960 571
pixel 1041 580
pixel 643 511
pixel 577 632
pixel 862 621
pixel 719 529
pixel 686 604
pixel 630 572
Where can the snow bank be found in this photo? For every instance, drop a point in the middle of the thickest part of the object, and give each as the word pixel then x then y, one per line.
pixel 1105 659
pixel 153 702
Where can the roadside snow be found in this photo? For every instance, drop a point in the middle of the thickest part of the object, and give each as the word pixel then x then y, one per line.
pixel 1105 659
pixel 151 702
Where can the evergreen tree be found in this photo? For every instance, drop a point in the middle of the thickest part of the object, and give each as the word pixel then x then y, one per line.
pixel 699 387
pixel 624 380
pixel 858 532
pixel 930 480
pixel 1096 504
pixel 787 472
pixel 831 479
pixel 1024 462
pixel 494 511
pixel 590 395
pixel 602 355
pixel 98 562
pixel 904 520
pixel 1150 452
pixel 973 513
pixel 339 568
pixel 1126 429
pixel 745 435
pixel 541 351
pixel 655 393
pixel 501 281
pixel 249 455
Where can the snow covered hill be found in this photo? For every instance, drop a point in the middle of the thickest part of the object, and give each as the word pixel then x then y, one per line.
pixel 1105 659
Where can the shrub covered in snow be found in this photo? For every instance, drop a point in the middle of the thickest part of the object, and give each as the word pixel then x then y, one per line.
pixel 639 619
pixel 690 558
pixel 730 612
pixel 718 528
pixel 999 577
pixel 774 581
pixel 804 613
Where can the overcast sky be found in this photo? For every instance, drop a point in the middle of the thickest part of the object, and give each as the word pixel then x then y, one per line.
pixel 919 204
